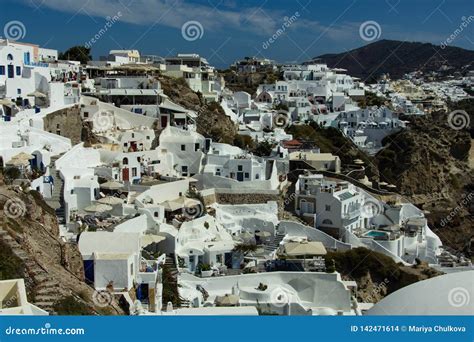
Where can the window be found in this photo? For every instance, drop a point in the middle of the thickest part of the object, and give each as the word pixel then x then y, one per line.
pixel 328 208
pixel 125 161
pixel 86 114
pixel 147 137
pixel 9 57
pixel 18 71
pixel 183 147
pixel 257 176
pixel 196 147
pixel 155 214
pixel 247 175
pixel 134 172
pixel 240 167
pixel 18 91
pixel 2 69
pixel 131 269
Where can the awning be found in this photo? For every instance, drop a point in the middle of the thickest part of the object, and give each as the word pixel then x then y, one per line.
pixel 305 248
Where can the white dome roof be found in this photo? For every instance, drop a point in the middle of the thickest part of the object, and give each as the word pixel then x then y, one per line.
pixel 449 294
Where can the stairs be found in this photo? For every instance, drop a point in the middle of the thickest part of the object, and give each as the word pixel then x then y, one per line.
pixel 171 264
pixel 274 243
pixel 57 199
pixel 46 291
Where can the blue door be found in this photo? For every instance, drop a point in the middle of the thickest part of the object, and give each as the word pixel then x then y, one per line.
pixel 89 271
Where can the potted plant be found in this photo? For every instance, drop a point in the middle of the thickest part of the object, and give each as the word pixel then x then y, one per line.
pixel 205 270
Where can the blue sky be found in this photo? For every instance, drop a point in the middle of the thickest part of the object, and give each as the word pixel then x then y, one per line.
pixel 232 29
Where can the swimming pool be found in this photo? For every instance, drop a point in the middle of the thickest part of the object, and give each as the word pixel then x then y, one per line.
pixel 375 233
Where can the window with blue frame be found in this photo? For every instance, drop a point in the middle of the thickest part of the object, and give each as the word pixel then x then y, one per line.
pixel 18 71
pixel 2 69
pixel 26 58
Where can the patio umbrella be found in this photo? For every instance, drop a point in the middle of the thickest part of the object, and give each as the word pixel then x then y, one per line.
pixel 6 102
pixel 227 300
pixel 263 234
pixel 112 185
pixel 304 248
pixel 18 162
pixel 23 155
pixel 98 208
pixel 110 200
pixel 37 93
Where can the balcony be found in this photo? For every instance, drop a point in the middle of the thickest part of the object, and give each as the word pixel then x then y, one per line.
pixel 352 213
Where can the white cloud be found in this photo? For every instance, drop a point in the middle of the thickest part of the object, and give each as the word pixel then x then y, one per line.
pixel 171 13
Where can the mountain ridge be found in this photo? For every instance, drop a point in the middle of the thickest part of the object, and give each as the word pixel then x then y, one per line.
pixel 398 58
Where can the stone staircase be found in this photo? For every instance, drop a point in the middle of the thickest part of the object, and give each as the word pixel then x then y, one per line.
pixel 274 243
pixel 46 291
pixel 57 199
pixel 170 262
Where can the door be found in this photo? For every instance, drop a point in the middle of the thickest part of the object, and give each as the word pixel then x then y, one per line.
pixel 125 174
pixel 240 176
pixel 11 72
pixel 192 261
pixel 164 121
pixel 89 271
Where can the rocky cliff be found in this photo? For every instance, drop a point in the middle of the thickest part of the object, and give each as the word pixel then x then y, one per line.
pixel 30 248
pixel 211 121
pixel 431 164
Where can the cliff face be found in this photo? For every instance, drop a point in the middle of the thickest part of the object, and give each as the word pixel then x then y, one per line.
pixel 211 121
pixel 376 274
pixel 431 165
pixel 31 249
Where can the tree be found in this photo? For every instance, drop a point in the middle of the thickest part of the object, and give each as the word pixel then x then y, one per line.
pixel 244 248
pixel 76 53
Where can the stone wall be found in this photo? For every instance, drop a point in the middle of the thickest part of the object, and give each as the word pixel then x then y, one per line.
pixel 66 123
